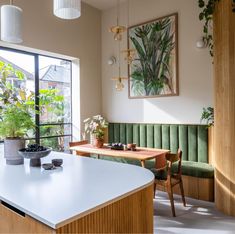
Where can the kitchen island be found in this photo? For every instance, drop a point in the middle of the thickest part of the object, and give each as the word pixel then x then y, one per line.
pixel 85 195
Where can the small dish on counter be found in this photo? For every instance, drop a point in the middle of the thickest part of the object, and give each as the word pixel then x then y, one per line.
pixel 57 162
pixel 48 166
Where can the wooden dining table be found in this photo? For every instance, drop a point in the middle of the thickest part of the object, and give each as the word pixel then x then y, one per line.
pixel 141 153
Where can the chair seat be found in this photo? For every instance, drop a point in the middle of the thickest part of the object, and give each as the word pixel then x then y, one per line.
pixel 159 174
pixel 195 169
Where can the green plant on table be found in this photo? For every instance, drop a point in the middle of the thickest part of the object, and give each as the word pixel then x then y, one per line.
pixel 96 126
pixel 208 116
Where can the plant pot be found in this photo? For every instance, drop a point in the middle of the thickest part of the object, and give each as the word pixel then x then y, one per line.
pixel 11 147
pixel 98 143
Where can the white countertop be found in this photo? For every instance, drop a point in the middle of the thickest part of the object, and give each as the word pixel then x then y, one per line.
pixel 60 196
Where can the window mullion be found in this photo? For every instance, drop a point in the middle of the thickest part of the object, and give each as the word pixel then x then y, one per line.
pixel 37 116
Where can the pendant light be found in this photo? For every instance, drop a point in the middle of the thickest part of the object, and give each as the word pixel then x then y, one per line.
pixel 129 53
pixel 117 30
pixel 11 23
pixel 119 84
pixel 67 9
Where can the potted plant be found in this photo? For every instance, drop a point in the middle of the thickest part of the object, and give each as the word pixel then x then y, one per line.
pixel 17 111
pixel 96 127
pixel 208 116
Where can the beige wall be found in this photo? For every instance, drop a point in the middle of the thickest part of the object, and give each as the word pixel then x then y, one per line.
pixel 195 67
pixel 80 38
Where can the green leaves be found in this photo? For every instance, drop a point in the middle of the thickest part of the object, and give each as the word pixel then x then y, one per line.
pixel 154 44
pixel 17 104
pixel 15 122
pixel 206 15
pixel 208 116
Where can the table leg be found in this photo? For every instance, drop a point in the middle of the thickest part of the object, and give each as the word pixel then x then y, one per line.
pixel 98 156
pixel 142 163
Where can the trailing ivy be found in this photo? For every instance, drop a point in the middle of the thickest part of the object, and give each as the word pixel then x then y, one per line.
pixel 206 15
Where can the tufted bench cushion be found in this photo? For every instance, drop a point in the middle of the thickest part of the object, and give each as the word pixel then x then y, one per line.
pixel 192 139
pixel 196 169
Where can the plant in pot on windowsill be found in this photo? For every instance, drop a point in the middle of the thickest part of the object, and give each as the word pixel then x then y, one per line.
pixel 96 127
pixel 17 111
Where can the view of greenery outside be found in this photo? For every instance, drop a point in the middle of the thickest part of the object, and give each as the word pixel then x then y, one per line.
pixel 54 75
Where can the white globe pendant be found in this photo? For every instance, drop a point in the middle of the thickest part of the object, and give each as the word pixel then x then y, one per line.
pixel 11 24
pixel 67 9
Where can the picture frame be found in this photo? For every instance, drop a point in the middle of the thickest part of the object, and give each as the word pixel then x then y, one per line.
pixel 154 69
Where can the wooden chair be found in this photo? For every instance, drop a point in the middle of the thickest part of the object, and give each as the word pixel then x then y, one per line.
pixel 76 143
pixel 167 179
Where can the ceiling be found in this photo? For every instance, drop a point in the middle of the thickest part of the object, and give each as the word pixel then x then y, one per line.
pixel 102 4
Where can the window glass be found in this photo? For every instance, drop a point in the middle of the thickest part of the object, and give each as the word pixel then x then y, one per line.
pixel 54 78
pixel 25 64
pixel 55 74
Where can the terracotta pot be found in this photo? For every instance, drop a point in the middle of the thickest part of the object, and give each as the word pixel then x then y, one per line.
pixel 98 143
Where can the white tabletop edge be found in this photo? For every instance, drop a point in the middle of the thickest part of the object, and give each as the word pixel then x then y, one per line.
pixel 59 222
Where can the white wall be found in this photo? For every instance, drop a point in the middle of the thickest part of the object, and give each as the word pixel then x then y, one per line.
pixel 195 67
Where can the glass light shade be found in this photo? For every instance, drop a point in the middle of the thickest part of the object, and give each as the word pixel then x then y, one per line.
pixel 67 9
pixel 119 86
pixel 11 24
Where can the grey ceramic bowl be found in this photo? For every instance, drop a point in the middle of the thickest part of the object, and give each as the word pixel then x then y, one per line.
pixel 35 157
pixel 30 155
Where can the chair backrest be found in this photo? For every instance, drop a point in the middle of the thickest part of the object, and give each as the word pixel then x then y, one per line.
pixel 76 143
pixel 172 158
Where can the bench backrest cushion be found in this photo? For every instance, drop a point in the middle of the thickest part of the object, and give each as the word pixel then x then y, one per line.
pixel 191 139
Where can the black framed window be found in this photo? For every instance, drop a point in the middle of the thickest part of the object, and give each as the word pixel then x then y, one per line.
pixel 54 128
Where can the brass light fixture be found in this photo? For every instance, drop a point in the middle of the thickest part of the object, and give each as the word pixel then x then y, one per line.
pixel 117 30
pixel 119 84
pixel 129 53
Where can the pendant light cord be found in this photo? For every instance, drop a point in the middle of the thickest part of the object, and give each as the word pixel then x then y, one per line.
pixel 119 63
pixel 128 9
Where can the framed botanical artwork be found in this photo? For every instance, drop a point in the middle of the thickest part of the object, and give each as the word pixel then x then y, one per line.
pixel 154 70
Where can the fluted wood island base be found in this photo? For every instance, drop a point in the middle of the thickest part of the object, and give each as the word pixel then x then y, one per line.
pixel 119 203
pixel 132 214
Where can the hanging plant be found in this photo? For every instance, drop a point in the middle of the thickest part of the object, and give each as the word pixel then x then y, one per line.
pixel 206 15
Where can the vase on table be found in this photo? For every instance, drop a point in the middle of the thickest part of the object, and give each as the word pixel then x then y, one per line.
pixel 98 142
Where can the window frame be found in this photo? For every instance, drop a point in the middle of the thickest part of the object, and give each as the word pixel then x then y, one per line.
pixel 37 137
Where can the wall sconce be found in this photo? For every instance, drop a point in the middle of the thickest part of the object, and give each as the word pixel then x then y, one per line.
pixel 111 61
pixel 200 44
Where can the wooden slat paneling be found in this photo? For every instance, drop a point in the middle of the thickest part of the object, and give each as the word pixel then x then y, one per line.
pixel 224 72
pixel 132 214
